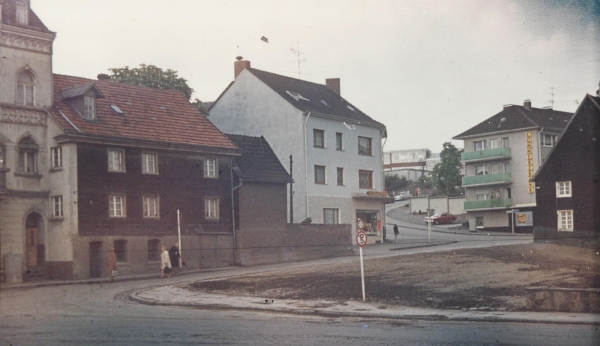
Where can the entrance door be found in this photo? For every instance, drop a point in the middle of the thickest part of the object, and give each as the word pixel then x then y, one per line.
pixel 96 259
pixel 31 246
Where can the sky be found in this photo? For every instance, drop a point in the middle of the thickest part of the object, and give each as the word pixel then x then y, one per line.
pixel 427 69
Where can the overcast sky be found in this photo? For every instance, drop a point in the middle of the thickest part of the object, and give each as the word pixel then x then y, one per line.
pixel 427 69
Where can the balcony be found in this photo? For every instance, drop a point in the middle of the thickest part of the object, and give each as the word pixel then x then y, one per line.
pixel 486 155
pixel 488 204
pixel 488 179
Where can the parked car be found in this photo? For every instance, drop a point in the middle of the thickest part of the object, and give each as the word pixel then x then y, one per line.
pixel 438 218
pixel 402 196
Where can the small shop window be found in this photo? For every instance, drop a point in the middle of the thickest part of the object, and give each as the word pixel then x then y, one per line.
pixel 370 219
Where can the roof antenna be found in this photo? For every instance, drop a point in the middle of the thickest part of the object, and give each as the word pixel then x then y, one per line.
pixel 297 53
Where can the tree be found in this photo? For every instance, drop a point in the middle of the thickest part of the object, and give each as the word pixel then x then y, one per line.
pixel 395 183
pixel 153 77
pixel 446 174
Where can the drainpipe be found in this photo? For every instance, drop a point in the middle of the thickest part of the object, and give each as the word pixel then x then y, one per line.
pixel 306 163
pixel 233 209
pixel 540 147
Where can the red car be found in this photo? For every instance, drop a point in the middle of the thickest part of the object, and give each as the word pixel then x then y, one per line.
pixel 440 218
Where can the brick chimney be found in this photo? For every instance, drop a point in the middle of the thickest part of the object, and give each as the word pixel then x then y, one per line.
pixel 239 66
pixel 333 84
pixel 527 104
pixel 103 76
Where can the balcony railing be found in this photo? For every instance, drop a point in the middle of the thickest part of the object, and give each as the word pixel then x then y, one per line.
pixel 488 179
pixel 488 204
pixel 488 154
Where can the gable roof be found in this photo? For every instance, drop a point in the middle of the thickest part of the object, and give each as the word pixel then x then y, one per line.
pixel 258 162
pixel 587 110
pixel 9 17
pixel 148 114
pixel 518 117
pixel 80 90
pixel 313 97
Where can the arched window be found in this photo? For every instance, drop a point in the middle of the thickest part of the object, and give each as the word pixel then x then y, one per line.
pixel 25 88
pixel 28 150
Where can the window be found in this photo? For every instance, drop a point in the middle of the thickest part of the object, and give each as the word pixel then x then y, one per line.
pixel 506 167
pixel 331 216
pixel 116 205
pixel 210 168
pixel 364 146
pixel 211 208
pixel 340 176
pixel 565 220
pixel 21 14
pixel 56 157
pixel 548 140
pixel 116 160
pixel 365 179
pixel 89 107
pixel 149 163
pixel 2 159
pixel 508 193
pixel 494 143
pixel 497 168
pixel 121 250
pixel 25 88
pixel 319 138
pixel 563 189
pixel 478 145
pixel 319 174
pixel 57 203
pixel 505 142
pixel 481 170
pixel 339 144
pixel 151 206
pixel 28 150
pixel 479 221
pixel 153 250
pixel 481 196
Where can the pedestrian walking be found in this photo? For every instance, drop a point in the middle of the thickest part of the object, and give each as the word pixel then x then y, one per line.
pixel 165 263
pixel 111 264
pixel 396 233
pixel 174 256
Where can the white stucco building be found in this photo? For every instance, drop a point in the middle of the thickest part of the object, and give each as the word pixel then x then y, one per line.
pixel 336 149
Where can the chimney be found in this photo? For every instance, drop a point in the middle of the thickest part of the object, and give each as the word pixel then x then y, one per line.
pixel 103 76
pixel 333 84
pixel 239 66
pixel 527 104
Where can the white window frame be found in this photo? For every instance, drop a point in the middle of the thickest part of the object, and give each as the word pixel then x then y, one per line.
pixel 27 161
pixel 480 147
pixel 56 157
pixel 494 143
pixel 319 138
pixel 319 168
pixel 151 206
pixel 484 171
pixel 57 206
pixel 25 90
pixel 89 107
pixel 119 164
pixel 334 217
pixel 564 189
pixel 505 142
pixel 484 196
pixel 368 148
pixel 363 171
pixel 565 220
pixel 117 205
pixel 548 138
pixel 211 168
pixel 211 208
pixel 149 163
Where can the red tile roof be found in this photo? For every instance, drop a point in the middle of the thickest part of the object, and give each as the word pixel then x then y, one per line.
pixel 148 114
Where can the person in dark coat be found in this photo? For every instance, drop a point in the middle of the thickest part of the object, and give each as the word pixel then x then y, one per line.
pixel 396 233
pixel 174 257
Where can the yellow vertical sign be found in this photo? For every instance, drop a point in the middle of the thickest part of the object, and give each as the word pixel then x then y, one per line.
pixel 529 139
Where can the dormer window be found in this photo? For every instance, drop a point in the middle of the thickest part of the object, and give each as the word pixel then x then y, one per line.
pixel 25 88
pixel 296 96
pixel 89 107
pixel 22 13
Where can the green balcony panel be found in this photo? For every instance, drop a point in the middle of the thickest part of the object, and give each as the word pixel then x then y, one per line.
pixel 488 204
pixel 496 153
pixel 489 179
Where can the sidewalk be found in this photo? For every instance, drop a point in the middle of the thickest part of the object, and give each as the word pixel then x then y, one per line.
pixel 178 295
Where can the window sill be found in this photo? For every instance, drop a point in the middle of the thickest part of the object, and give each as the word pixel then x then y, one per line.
pixel 151 218
pixel 55 169
pixel 212 219
pixel 28 175
pixel 109 171
pixel 57 219
pixel 319 147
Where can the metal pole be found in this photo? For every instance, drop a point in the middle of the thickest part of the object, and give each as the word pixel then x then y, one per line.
pixel 428 220
pixel 291 191
pixel 362 273
pixel 179 236
pixel 513 221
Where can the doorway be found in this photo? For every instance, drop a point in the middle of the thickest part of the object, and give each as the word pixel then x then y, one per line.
pixel 96 259
pixel 34 241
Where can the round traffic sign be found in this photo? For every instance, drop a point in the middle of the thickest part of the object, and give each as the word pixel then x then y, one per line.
pixel 361 238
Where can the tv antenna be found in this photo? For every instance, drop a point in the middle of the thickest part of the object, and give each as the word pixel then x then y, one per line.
pixel 551 97
pixel 297 53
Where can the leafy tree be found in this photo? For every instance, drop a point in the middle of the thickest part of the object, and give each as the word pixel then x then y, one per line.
pixel 425 182
pixel 446 174
pixel 152 76
pixel 395 183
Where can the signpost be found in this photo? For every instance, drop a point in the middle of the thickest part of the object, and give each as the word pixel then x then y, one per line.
pixel 361 241
pixel 513 211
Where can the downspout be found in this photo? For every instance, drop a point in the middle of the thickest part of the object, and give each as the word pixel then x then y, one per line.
pixel 306 164
pixel 382 164
pixel 233 209
pixel 540 147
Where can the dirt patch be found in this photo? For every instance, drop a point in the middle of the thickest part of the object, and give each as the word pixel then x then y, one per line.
pixel 487 278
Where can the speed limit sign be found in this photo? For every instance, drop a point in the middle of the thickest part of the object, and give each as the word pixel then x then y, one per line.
pixel 361 238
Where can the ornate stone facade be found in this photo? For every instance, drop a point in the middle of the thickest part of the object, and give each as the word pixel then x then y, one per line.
pixel 23 116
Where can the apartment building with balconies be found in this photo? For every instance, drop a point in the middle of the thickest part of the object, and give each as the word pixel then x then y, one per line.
pixel 500 157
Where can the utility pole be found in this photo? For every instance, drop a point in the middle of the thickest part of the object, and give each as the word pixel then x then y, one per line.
pixel 291 191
